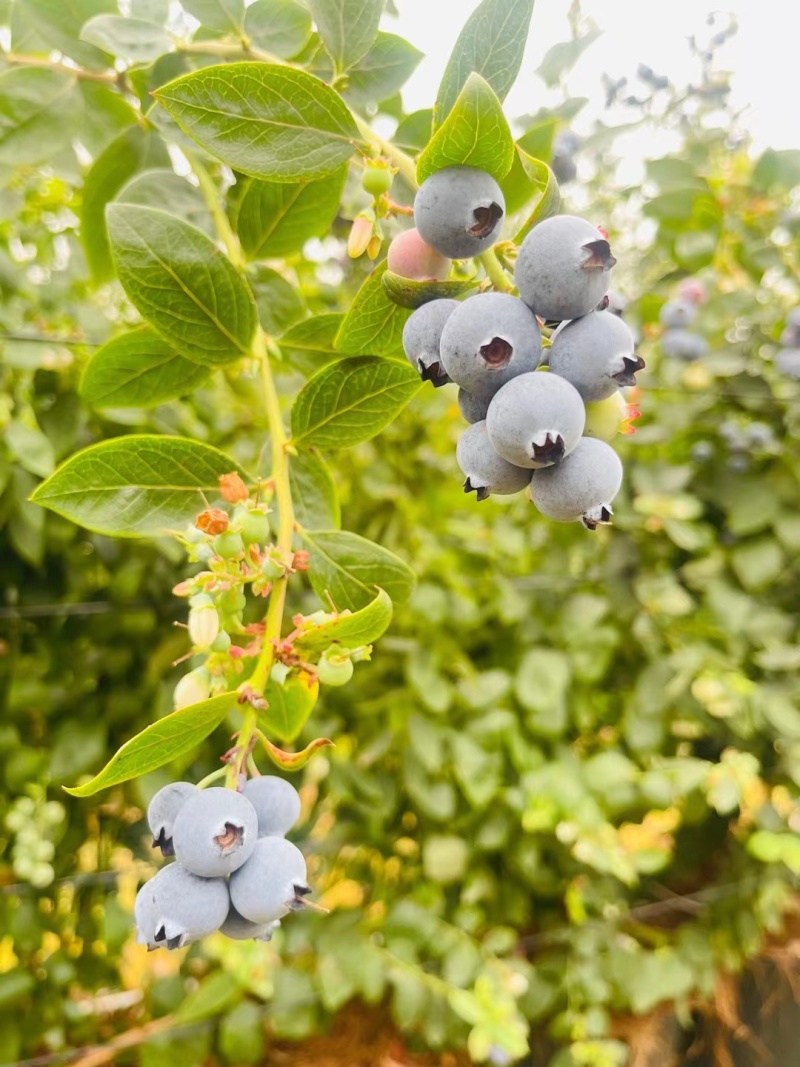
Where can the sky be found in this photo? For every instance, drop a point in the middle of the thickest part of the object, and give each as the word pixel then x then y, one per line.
pixel 763 55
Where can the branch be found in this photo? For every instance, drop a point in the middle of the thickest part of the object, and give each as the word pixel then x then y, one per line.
pixel 14 59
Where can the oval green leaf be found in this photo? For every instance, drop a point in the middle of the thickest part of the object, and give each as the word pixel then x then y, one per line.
pixel 374 324
pixel 180 282
pixel 351 569
pixel 475 134
pixel 314 494
pixel 160 743
pixel 407 293
pixel 275 219
pixel 136 486
pixel 224 16
pixel 347 28
pixel 129 39
pixel 350 629
pixel 312 343
pixel 491 44
pixel 544 187
pixel 267 121
pixel 290 705
pixel 36 117
pixel 280 27
pixel 383 70
pixel 351 401
pixel 138 370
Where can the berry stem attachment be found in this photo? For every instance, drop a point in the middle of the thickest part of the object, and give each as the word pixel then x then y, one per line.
pixel 213 777
pixel 494 271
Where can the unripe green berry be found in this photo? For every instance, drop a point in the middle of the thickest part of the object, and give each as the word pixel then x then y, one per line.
pixel 376 180
pixel 334 670
pixel 272 569
pixel 232 601
pixel 222 642
pixel 228 544
pixel 255 528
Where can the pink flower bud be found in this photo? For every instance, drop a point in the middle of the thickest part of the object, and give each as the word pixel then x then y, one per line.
pixel 203 626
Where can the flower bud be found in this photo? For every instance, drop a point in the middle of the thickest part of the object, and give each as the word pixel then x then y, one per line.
pixel 203 626
pixel 193 688
pixel 360 236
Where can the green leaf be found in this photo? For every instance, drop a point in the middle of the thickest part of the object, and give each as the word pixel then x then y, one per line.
pixel 563 56
pixel 133 150
pixel 414 131
pixel 274 219
pixel 60 23
pixel 311 343
pixel 137 485
pixel 350 568
pixel 38 112
pixel 138 370
pixel 349 629
pixel 226 16
pixel 166 190
pixel 150 10
pixel 772 847
pixel 104 115
pixel 347 28
pixel 267 121
pixel 351 401
pixel 280 27
pixel 180 282
pixel 294 761
pixel 290 705
pixel 408 293
pixel 316 501
pixel 374 324
pixel 29 446
pixel 382 71
pixel 278 302
pixel 475 134
pixel 160 743
pixel 491 44
pixel 777 169
pixel 129 39
pixel 544 186
pixel 213 996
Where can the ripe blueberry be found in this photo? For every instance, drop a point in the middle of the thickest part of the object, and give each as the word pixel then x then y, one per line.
pixel 683 344
pixel 162 810
pixel 581 487
pixel 272 882
pixel 459 210
pixel 421 336
pixel 595 353
pixel 215 832
pixel 243 930
pixel 485 471
pixel 535 420
pixel 473 408
pixel 277 804
pixel 676 314
pixel 177 907
pixel 563 268
pixel 488 340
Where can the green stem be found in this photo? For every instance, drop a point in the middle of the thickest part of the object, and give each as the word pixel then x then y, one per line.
pixel 211 196
pixel 15 60
pixel 494 271
pixel 213 777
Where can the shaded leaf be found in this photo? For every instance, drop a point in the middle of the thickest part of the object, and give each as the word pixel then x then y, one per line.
pixel 382 71
pixel 290 704
pixel 130 39
pixel 314 494
pixel 60 23
pixel 160 743
pixel 180 282
pixel 280 27
pixel 138 370
pixel 267 121
pixel 544 187
pixel 475 134
pixel 136 485
pixel 349 568
pixel 311 343
pixel 168 191
pixel 225 16
pixel 38 112
pixel 491 44
pixel 347 28
pixel 351 401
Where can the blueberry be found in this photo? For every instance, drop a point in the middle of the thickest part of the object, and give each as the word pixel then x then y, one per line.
pixel 410 257
pixel 676 314
pixel 536 420
pixel 581 487
pixel 177 907
pixel 563 268
pixel 421 336
pixel 485 471
pixel 595 353
pixel 277 804
pixel 683 344
pixel 488 340
pixel 240 929
pixel 272 882
pixel 788 362
pixel 215 832
pixel 459 210
pixel 473 408
pixel 162 810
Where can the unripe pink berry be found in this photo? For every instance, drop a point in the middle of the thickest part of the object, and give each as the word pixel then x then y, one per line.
pixel 410 257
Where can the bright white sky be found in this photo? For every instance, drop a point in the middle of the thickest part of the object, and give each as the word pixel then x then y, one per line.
pixel 763 54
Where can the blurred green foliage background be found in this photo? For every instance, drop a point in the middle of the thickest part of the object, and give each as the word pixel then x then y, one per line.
pixel 565 790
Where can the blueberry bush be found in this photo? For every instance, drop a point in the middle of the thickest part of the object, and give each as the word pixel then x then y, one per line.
pixel 442 779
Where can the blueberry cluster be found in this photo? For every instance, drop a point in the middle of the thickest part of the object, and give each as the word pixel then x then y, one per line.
pixel 234 871
pixel 678 341
pixel 528 428
pixel 788 358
